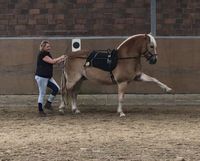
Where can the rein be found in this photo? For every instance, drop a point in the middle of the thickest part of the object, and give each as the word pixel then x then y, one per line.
pixel 135 57
pixel 131 57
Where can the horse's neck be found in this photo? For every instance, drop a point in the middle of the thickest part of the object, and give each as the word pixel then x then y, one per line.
pixel 130 48
pixel 127 51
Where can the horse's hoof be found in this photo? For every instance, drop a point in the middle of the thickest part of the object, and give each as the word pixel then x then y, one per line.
pixel 169 90
pixel 61 111
pixel 122 115
pixel 76 111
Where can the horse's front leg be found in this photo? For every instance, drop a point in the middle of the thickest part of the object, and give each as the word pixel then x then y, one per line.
pixel 121 91
pixel 145 78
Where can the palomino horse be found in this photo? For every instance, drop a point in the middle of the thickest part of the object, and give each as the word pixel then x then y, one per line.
pixel 127 69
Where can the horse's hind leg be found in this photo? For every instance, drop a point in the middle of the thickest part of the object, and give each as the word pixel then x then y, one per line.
pixel 68 93
pixel 74 94
pixel 146 78
pixel 74 103
pixel 63 102
pixel 121 91
pixel 72 87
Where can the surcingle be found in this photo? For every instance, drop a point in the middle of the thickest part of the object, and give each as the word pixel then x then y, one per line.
pixel 102 59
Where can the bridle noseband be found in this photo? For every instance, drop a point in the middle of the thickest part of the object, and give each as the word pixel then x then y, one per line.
pixel 148 55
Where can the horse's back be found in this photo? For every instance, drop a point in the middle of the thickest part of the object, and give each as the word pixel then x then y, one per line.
pixel 79 54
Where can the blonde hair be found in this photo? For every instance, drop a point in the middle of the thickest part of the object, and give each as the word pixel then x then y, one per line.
pixel 43 44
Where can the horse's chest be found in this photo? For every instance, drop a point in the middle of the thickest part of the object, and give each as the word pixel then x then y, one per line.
pixel 125 71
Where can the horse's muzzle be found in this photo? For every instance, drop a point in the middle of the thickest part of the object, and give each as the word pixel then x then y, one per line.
pixel 153 59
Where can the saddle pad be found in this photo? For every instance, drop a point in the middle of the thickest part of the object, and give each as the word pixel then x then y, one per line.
pixel 102 59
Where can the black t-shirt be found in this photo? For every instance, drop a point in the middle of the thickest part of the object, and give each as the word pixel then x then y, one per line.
pixel 44 69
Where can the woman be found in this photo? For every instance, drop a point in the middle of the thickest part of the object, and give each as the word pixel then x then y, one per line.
pixel 44 76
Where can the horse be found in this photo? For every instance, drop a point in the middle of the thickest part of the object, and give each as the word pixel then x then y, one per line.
pixel 128 69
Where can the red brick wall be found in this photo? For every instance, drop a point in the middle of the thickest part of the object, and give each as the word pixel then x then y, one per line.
pixel 178 18
pixel 74 17
pixel 97 17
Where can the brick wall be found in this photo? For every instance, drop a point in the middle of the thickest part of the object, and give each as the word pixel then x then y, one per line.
pixel 97 17
pixel 74 17
pixel 178 17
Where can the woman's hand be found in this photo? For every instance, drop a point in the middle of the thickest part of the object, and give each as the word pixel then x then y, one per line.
pixel 61 58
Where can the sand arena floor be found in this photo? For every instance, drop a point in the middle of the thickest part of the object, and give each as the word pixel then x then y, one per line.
pixel 147 133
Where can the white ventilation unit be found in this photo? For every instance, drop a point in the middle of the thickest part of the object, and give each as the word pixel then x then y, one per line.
pixel 76 45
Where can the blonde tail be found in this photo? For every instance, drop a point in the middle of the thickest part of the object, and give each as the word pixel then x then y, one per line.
pixel 64 91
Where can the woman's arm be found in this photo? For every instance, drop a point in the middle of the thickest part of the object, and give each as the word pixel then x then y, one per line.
pixel 53 60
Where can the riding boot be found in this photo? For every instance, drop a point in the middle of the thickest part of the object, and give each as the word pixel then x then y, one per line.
pixel 42 114
pixel 40 109
pixel 48 106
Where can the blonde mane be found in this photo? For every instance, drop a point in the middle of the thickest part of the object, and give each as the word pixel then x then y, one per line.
pixel 152 40
pixel 128 40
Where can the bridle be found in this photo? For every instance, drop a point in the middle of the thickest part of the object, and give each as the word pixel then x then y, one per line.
pixel 148 55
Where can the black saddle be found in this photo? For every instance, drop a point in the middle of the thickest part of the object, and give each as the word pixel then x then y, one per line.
pixel 102 59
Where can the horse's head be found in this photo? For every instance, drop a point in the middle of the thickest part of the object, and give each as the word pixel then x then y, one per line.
pixel 150 49
pixel 137 46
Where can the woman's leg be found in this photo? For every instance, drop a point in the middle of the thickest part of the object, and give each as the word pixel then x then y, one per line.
pixel 55 89
pixel 42 85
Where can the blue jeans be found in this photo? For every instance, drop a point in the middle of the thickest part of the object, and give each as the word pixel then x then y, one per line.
pixel 43 83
